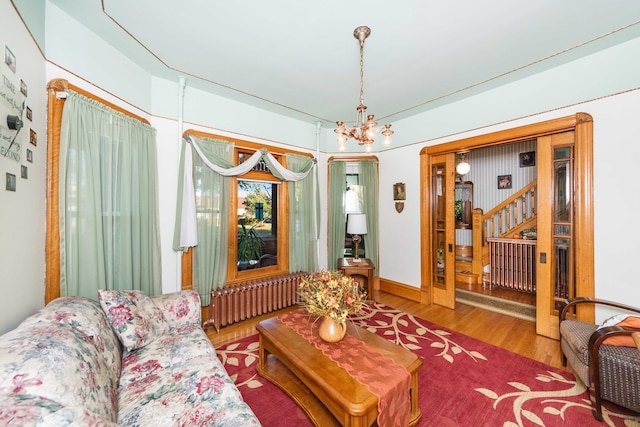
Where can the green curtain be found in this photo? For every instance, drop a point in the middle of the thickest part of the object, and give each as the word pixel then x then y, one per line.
pixel 368 171
pixel 109 235
pixel 212 192
pixel 304 216
pixel 337 213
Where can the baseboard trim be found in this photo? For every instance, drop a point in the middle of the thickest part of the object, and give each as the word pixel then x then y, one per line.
pixel 400 289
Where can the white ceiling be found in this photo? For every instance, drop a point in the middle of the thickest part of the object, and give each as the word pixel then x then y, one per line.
pixel 300 58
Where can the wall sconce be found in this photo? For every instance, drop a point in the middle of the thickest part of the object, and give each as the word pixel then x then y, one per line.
pixel 463 167
pixel 399 195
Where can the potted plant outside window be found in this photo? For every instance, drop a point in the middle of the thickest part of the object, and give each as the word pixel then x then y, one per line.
pixel 249 245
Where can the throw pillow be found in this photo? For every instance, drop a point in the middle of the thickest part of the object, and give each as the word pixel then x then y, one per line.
pixel 621 320
pixel 133 316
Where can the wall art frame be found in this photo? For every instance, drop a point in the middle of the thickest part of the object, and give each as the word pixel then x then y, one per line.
pixel 527 159
pixel 504 182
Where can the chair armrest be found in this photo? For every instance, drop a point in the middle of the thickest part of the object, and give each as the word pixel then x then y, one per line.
pixel 180 308
pixel 584 300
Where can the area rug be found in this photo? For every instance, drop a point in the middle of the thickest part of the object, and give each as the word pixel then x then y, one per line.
pixel 463 382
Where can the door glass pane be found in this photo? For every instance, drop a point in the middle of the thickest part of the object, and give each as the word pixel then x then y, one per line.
pixel 563 225
pixel 563 191
pixel 562 153
pixel 439 217
pixel 563 269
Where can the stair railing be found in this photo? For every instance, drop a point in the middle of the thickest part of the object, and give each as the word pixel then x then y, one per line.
pixel 513 215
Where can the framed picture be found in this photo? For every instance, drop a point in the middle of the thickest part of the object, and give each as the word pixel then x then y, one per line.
pixel 33 137
pixel 29 114
pixel 29 156
pixel 504 182
pixel 527 159
pixel 11 182
pixel 23 87
pixel 9 58
pixel 399 191
pixel 24 172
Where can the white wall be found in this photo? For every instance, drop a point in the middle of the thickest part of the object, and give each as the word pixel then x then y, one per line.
pixel 22 227
pixel 616 130
pixel 577 86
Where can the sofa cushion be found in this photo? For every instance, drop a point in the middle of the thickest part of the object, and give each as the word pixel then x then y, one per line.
pixel 180 308
pixel 179 380
pixel 133 316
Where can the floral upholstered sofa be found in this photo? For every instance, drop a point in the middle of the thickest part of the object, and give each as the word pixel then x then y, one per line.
pixel 126 360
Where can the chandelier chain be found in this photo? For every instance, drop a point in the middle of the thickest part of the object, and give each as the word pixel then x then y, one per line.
pixel 361 71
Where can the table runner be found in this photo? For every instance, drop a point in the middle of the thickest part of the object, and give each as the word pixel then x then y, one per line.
pixel 390 384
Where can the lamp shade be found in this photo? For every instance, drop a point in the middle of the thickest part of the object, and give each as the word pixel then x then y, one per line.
pixel 357 224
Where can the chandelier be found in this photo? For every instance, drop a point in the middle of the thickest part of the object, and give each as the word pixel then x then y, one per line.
pixel 363 131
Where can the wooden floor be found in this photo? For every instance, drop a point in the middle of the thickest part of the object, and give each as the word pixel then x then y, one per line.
pixel 503 331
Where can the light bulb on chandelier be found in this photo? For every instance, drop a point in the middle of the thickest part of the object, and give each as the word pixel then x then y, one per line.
pixel 363 131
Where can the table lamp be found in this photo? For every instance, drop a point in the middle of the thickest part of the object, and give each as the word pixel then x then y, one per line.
pixel 356 226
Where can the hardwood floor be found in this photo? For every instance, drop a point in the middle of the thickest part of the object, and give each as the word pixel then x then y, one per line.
pixel 518 336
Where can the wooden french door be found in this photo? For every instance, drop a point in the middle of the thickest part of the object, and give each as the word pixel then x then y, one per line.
pixel 565 215
pixel 555 263
pixel 442 265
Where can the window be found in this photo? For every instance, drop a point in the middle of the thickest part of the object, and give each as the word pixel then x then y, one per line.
pixel 258 226
pixel 256 221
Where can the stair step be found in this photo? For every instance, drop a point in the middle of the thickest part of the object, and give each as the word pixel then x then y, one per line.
pixel 498 305
pixel 466 276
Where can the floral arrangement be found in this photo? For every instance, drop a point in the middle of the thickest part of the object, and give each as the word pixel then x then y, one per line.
pixel 329 293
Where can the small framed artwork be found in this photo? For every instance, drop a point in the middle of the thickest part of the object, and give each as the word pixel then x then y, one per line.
pixel 527 159
pixel 11 182
pixel 23 87
pixel 504 182
pixel 29 156
pixel 29 114
pixel 33 137
pixel 9 58
pixel 24 172
pixel 399 191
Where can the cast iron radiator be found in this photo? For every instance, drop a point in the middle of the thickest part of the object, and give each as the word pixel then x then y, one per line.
pixel 513 264
pixel 234 304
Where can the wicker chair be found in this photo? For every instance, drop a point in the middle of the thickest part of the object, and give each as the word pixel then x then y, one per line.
pixel 610 372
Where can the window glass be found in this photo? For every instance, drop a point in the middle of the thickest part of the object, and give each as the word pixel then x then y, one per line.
pixel 257 229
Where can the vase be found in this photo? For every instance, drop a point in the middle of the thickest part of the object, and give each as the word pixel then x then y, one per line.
pixel 332 331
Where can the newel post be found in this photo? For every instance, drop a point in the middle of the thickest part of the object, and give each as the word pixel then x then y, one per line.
pixel 478 243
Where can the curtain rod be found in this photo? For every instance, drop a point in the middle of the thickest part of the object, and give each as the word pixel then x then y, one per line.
pixel 60 86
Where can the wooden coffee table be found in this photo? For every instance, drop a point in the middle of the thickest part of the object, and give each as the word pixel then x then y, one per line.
pixel 326 392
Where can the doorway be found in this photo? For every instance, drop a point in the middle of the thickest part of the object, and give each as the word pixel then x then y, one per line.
pixel 580 129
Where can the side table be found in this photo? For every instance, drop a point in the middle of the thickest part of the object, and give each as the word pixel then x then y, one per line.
pixel 364 268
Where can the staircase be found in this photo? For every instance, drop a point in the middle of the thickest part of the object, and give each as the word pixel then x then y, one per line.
pixel 504 221
pixel 507 219
pixel 464 265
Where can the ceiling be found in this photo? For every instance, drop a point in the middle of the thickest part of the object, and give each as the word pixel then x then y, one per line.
pixel 301 59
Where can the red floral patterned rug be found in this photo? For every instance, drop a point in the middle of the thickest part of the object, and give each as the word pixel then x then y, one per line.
pixel 463 382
